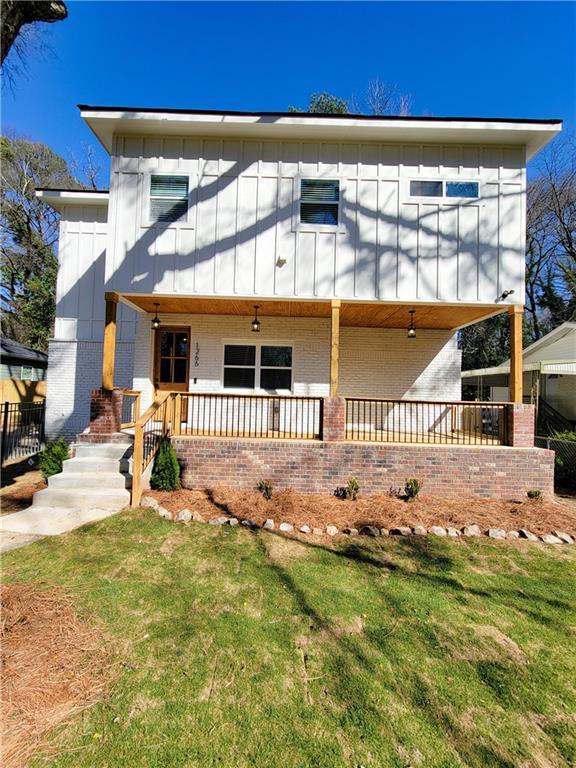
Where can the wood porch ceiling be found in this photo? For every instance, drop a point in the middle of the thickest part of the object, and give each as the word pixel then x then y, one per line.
pixel 352 314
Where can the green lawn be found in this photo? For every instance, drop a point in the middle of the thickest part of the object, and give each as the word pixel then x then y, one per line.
pixel 247 649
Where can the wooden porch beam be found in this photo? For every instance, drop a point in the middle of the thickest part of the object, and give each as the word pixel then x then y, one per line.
pixel 334 346
pixel 109 356
pixel 515 314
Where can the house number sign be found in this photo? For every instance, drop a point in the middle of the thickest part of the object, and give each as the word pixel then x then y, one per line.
pixel 196 356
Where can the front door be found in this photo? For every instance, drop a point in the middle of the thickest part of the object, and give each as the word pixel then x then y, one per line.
pixel 172 359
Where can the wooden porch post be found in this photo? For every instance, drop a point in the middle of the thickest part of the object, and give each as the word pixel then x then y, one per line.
pixel 334 347
pixel 515 313
pixel 109 342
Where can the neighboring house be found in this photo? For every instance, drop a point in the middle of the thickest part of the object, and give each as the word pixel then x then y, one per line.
pixel 297 256
pixel 549 374
pixel 22 372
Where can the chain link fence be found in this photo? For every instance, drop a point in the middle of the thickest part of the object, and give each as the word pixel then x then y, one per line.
pixel 565 464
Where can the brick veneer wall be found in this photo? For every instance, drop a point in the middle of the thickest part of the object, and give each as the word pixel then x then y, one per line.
pixel 521 425
pixel 318 467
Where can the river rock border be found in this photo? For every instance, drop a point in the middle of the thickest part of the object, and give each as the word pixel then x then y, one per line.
pixel 468 531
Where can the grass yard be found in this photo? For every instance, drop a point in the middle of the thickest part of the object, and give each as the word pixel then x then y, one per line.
pixel 242 649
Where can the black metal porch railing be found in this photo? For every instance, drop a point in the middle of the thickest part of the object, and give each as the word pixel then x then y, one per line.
pixel 267 416
pixel 429 422
pixel 22 429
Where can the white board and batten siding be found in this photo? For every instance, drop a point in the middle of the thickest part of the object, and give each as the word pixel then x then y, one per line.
pixel 242 234
pixel 81 268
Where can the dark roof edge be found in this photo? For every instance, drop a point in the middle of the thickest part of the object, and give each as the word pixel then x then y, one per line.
pixel 408 118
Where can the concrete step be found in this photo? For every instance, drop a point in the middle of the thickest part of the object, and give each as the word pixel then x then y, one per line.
pixel 101 498
pixel 90 481
pixel 91 464
pixel 103 450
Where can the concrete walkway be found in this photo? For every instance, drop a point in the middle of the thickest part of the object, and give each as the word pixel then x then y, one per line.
pixel 10 540
pixel 36 521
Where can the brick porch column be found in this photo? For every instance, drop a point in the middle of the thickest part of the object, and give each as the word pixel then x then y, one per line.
pixel 521 425
pixel 334 421
pixel 105 411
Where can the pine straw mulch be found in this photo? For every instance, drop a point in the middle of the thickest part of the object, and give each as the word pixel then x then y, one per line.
pixel 385 511
pixel 52 666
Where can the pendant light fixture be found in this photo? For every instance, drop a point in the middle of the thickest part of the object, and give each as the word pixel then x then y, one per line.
pixel 256 322
pixel 411 329
pixel 156 319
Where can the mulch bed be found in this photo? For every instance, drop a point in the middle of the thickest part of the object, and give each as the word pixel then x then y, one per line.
pixel 52 666
pixel 321 510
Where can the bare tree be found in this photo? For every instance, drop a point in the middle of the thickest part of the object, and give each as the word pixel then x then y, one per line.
pixel 88 168
pixel 551 239
pixel 385 98
pixel 16 14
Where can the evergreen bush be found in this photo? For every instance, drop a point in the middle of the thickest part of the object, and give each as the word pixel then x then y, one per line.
pixel 166 470
pixel 51 458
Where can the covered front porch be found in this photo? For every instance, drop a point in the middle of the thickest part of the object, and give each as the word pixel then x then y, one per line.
pixel 320 370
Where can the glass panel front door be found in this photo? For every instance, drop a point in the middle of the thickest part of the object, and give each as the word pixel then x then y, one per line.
pixel 172 359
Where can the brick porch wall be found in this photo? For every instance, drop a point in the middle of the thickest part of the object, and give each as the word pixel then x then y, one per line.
pixel 319 467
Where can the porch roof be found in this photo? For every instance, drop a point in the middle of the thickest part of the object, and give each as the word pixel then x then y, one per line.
pixel 352 313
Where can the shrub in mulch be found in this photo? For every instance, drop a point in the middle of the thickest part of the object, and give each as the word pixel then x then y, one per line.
pixel 383 511
pixel 52 666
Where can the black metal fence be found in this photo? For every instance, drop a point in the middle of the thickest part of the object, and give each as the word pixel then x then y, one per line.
pixel 265 416
pixel 422 421
pixel 22 429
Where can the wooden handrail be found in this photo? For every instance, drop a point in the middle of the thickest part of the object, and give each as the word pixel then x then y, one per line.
pixel 139 460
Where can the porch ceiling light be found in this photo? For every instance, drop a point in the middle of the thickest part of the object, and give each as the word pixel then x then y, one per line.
pixel 156 319
pixel 256 322
pixel 411 329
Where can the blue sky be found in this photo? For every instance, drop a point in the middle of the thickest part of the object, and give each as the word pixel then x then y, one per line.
pixel 512 59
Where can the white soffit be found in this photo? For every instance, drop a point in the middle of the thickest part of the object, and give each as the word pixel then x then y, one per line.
pixel 105 122
pixel 58 198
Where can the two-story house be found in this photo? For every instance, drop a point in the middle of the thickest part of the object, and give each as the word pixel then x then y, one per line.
pixel 289 282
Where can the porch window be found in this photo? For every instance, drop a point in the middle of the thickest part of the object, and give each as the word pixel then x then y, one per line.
pixel 276 368
pixel 319 201
pixel 239 366
pixel 168 197
pixel 245 365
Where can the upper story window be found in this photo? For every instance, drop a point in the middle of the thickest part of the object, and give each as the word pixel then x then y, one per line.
pixel 444 188
pixel 462 189
pixel 319 201
pixel 168 197
pixel 426 188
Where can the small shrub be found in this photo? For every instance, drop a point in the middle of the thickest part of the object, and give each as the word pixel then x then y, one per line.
pixel 535 494
pixel 352 489
pixel 412 488
pixel 51 458
pixel 166 470
pixel 265 488
pixel 394 492
pixel 340 492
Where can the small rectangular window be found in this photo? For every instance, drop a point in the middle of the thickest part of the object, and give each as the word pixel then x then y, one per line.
pixel 461 189
pixel 319 201
pixel 168 197
pixel 426 188
pixel 27 373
